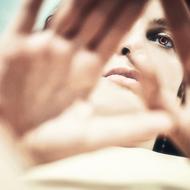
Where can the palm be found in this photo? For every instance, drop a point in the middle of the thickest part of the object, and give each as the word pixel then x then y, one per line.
pixel 53 68
pixel 39 73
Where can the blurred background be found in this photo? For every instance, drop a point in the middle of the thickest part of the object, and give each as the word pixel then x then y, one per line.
pixel 8 9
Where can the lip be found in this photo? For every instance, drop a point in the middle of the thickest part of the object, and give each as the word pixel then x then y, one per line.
pixel 125 77
pixel 128 73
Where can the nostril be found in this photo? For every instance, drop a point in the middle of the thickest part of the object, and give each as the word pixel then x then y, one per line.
pixel 125 51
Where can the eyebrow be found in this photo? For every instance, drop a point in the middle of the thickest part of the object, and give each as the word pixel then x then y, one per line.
pixel 159 22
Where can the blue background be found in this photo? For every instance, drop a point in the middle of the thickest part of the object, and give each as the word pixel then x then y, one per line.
pixel 8 10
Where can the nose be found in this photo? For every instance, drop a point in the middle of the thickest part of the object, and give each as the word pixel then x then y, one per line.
pixel 125 51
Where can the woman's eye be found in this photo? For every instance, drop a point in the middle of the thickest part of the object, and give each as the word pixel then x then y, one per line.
pixel 161 38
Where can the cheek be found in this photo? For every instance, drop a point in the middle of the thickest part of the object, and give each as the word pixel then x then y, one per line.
pixel 169 69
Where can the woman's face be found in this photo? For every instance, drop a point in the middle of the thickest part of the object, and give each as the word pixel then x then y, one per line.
pixel 150 44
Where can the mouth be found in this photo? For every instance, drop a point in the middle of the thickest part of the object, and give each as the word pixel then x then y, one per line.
pixel 125 77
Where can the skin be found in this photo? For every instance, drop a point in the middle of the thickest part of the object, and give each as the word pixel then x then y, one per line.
pixel 48 87
pixel 145 51
pixel 66 82
pixel 180 133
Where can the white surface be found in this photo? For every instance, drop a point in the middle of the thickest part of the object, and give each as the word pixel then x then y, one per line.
pixel 114 167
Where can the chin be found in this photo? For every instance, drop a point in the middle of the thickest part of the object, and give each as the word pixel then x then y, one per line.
pixel 110 98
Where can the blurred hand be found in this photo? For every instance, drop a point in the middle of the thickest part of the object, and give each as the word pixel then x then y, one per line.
pixel 112 116
pixel 43 72
pixel 49 75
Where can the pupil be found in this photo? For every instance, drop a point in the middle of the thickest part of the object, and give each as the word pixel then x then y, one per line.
pixel 163 40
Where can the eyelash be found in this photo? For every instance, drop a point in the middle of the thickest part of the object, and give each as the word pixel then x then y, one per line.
pixel 161 38
pixel 48 21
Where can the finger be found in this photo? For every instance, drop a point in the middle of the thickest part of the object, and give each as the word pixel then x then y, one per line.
pixel 109 98
pixel 179 21
pixel 81 69
pixel 180 133
pixel 88 62
pixel 69 18
pixel 127 130
pixel 180 137
pixel 86 65
pixel 88 25
pixel 37 84
pixel 117 25
pixel 149 80
pixel 51 143
pixel 155 96
pixel 26 17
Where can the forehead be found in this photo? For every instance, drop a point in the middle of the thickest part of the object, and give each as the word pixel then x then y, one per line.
pixel 153 10
pixel 150 18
